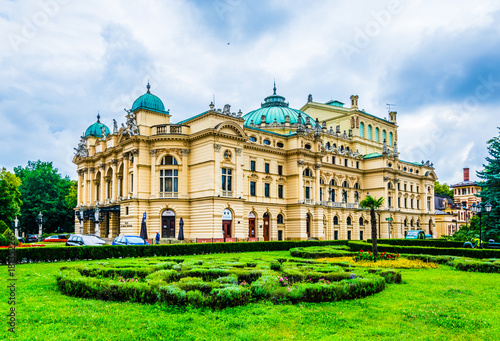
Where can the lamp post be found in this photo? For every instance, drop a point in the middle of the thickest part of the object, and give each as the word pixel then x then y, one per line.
pixel 478 209
pixel 79 214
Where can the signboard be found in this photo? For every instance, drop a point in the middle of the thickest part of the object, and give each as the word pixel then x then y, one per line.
pixel 144 216
pixel 227 214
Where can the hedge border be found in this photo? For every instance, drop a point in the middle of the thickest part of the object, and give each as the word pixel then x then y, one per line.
pixel 460 252
pixel 421 242
pixel 51 254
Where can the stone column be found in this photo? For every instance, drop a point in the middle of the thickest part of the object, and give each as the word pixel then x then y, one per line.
pixel 91 196
pixel 154 179
pixel 184 176
pixel 217 172
pixel 125 176
pixel 102 188
pixel 300 186
pixel 135 188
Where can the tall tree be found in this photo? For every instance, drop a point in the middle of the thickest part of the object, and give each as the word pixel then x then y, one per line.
pixel 373 204
pixel 44 190
pixel 443 189
pixel 10 196
pixel 490 184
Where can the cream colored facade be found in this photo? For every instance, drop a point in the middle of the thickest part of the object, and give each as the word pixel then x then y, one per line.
pixel 288 180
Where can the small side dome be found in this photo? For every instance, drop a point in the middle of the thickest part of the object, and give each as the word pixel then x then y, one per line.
pixel 150 102
pixel 96 129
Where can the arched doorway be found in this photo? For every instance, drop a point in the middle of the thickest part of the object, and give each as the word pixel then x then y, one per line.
pixel 266 226
pixel 308 225
pixel 251 225
pixel 227 222
pixel 168 224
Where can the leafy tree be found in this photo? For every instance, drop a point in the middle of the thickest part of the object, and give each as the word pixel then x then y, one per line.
pixel 490 186
pixel 10 196
pixel 44 190
pixel 442 189
pixel 373 204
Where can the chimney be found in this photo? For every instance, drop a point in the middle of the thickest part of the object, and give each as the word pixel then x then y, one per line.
pixel 466 174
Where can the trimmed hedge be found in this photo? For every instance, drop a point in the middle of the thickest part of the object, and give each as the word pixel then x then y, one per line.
pixel 51 254
pixel 321 252
pixel 420 242
pixel 460 252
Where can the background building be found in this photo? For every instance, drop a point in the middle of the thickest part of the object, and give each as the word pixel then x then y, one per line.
pixel 274 173
pixel 465 194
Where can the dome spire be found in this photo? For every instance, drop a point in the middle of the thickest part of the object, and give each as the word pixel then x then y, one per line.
pixel 148 87
pixel 274 88
pixel 98 117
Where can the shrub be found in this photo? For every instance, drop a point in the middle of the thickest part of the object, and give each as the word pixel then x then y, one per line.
pixel 230 297
pixel 275 266
pixel 10 237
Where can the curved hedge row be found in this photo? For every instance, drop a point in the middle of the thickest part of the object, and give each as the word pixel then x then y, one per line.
pixel 218 284
pixel 51 254
pixel 420 242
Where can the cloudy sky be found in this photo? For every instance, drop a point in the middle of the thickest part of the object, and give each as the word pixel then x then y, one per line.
pixel 63 61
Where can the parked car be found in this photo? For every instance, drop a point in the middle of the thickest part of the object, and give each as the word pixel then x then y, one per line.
pixel 32 238
pixel 84 240
pixel 129 240
pixel 20 239
pixel 415 234
pixel 57 238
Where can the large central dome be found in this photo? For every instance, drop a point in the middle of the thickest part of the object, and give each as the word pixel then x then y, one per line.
pixel 148 101
pixel 275 110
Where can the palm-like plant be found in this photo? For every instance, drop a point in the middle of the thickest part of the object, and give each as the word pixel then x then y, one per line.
pixel 373 204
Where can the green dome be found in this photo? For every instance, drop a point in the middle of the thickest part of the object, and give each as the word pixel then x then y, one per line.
pixel 96 128
pixel 148 101
pixel 275 110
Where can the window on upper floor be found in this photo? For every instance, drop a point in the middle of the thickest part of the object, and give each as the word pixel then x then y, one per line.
pixel 280 219
pixel 252 188
pixel 168 160
pixel 280 191
pixel 169 181
pixel 335 220
pixel 252 166
pixel 227 181
pixel 267 190
pixel 280 170
pixel 307 172
pixel 266 168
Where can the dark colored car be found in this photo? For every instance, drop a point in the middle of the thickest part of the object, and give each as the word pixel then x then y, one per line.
pixel 129 240
pixel 20 239
pixel 84 240
pixel 32 238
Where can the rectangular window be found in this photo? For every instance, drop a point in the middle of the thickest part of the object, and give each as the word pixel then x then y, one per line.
pixel 227 180
pixel 417 189
pixel 357 164
pixel 345 162
pixel 349 235
pixel 418 204
pixel 266 168
pixel 267 190
pixel 252 166
pixel 308 192
pixel 411 203
pixel 389 201
pixel 411 188
pixel 280 191
pixel 252 188
pixel 169 180
pixel 131 182
pixel 406 202
pixel 399 187
pixel 333 159
pixel 321 194
pixel 428 204
pixel 126 210
pixel 280 170
pixel 360 235
pixel 336 235
pixel 405 187
pixel 399 202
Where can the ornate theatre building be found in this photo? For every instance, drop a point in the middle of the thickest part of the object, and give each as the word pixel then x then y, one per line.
pixel 275 173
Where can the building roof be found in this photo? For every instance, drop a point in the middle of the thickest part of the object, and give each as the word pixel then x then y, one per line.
pixel 464 184
pixel 150 102
pixel 96 129
pixel 275 109
pixel 372 156
pixel 442 202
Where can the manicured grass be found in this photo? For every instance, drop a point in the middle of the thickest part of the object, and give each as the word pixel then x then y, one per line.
pixel 431 304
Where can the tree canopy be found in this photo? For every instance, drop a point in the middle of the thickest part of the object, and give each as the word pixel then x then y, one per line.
pixel 10 196
pixel 44 190
pixel 443 189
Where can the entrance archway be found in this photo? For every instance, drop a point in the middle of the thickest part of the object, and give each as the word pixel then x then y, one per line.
pixel 227 222
pixel 266 227
pixel 168 224
pixel 308 225
pixel 251 225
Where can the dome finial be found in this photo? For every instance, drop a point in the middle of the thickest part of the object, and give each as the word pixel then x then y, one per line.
pixel 98 117
pixel 148 87
pixel 274 89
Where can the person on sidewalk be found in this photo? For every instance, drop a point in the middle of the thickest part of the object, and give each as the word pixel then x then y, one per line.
pixel 157 238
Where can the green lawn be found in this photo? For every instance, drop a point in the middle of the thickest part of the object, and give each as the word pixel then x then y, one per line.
pixel 440 304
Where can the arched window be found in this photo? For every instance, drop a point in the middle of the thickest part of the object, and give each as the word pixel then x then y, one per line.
pixel 384 136
pixel 333 182
pixel 389 185
pixel 406 223
pixel 390 139
pixel 334 146
pixel 361 130
pixel 321 181
pixel 168 160
pixel 335 220
pixel 307 172
pixel 349 221
pixel 280 218
pixel 377 135
pixel 361 221
pixel 327 146
pixel 345 184
pixel 369 132
pixel 356 185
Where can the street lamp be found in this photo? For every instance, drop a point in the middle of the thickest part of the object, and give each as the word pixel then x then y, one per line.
pixel 479 210
pixel 40 221
pixel 79 214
